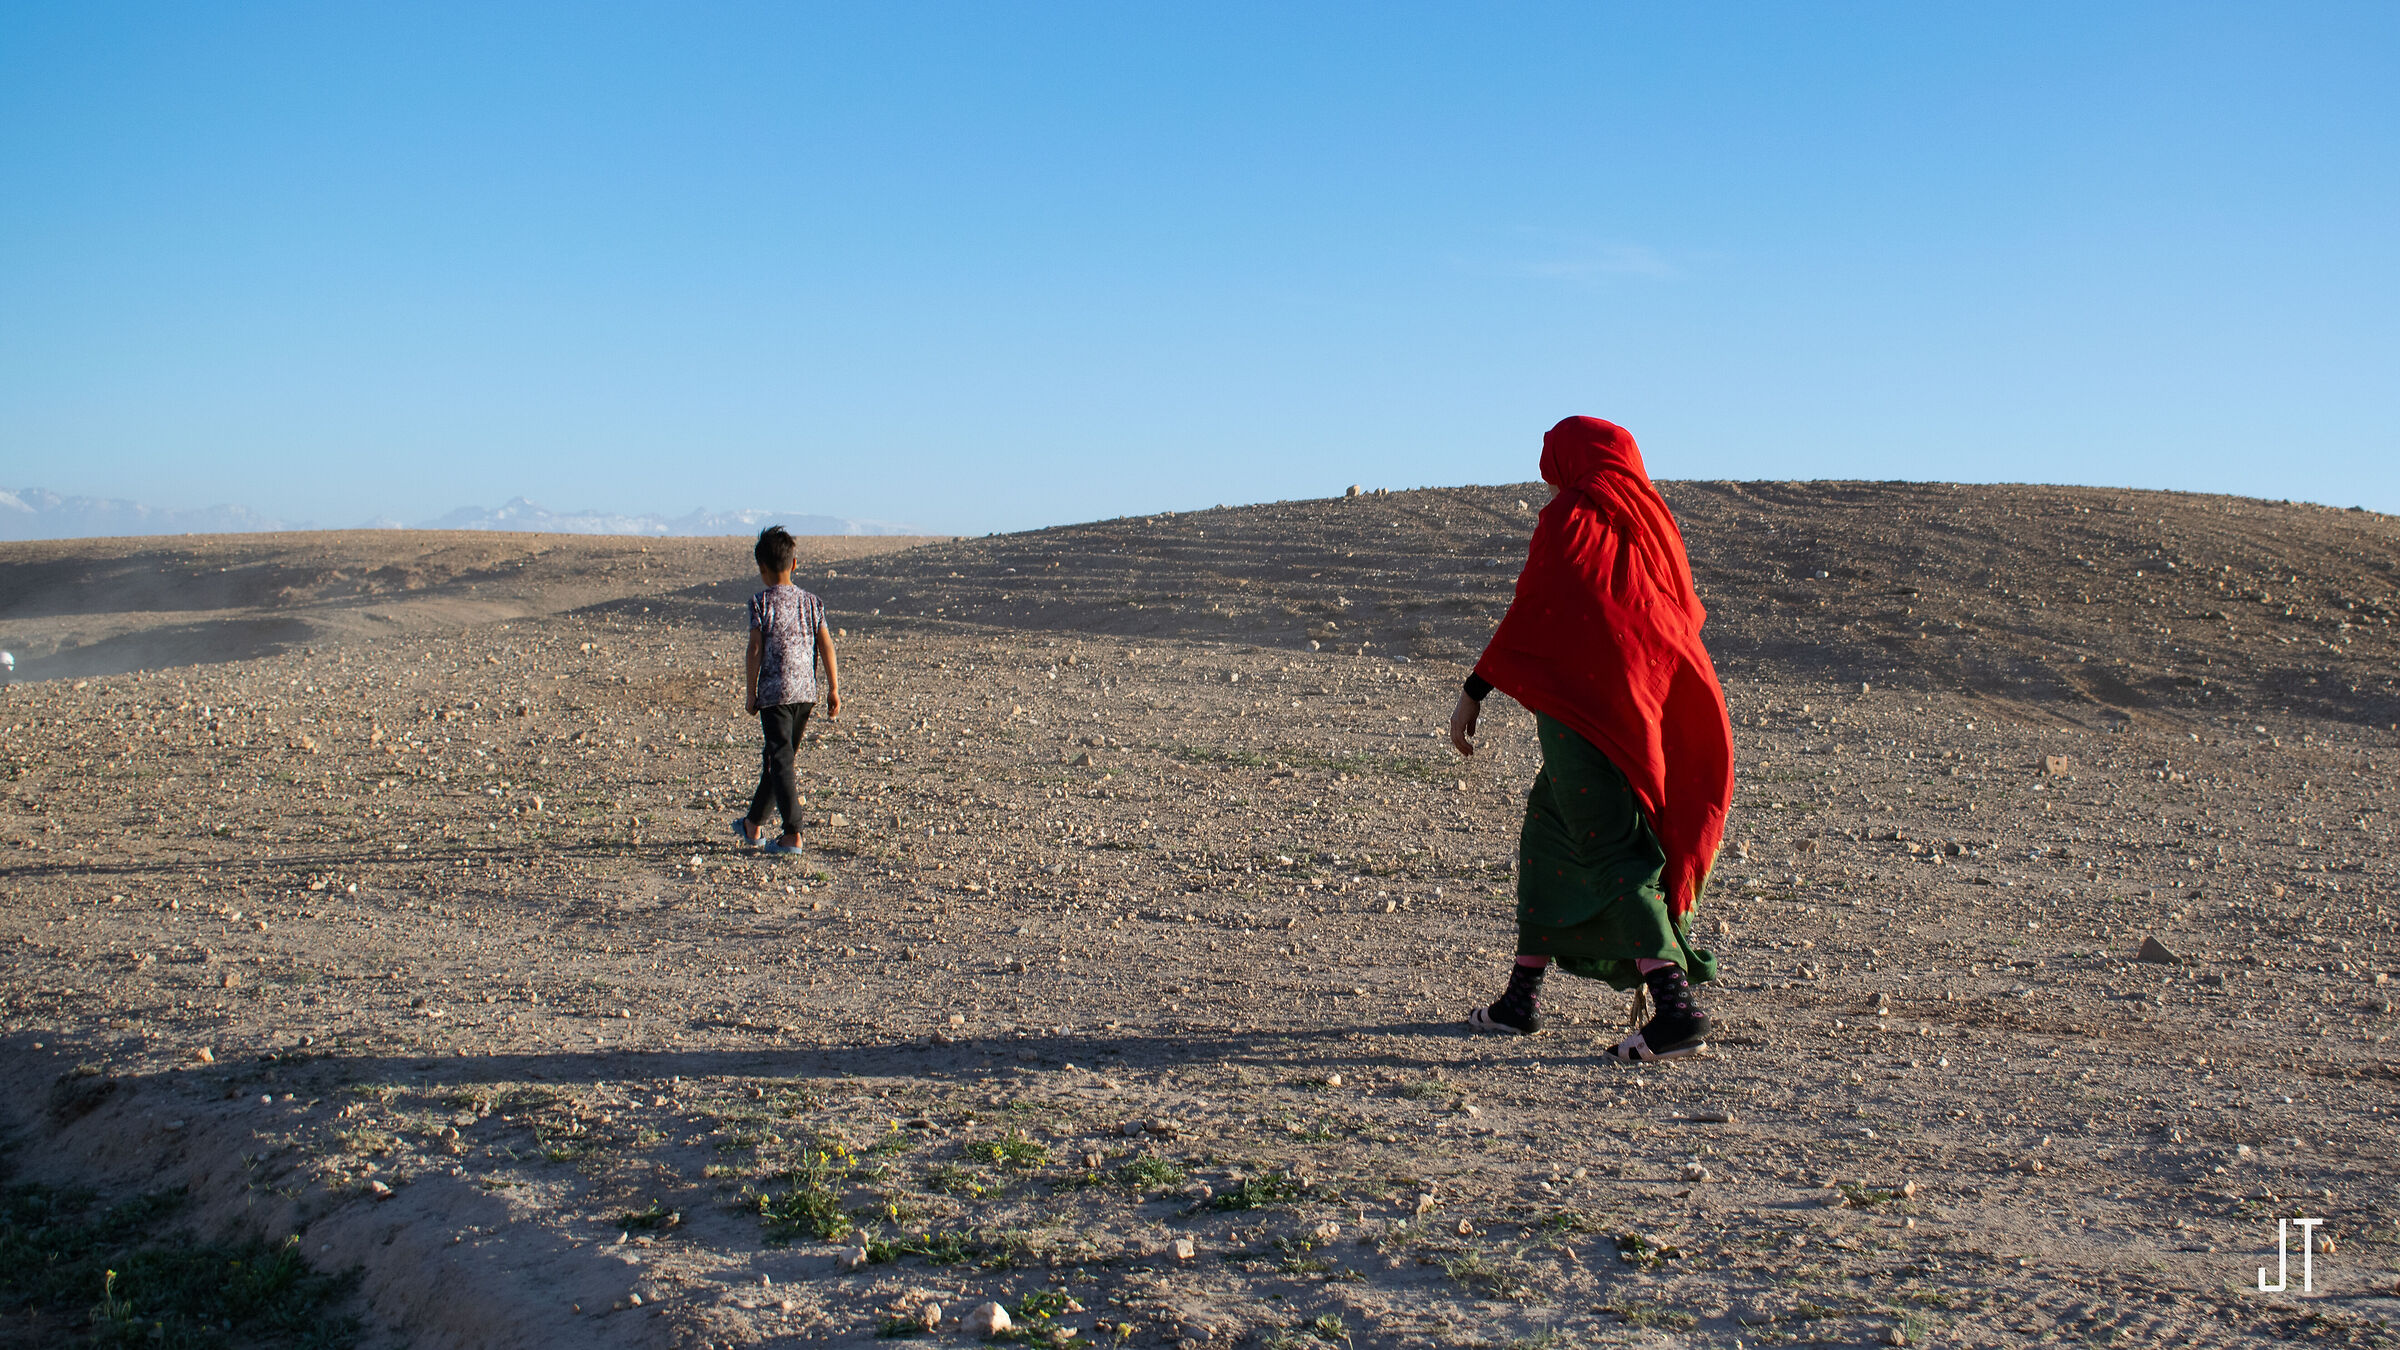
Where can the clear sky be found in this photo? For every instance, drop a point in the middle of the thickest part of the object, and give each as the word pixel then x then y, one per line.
pixel 986 266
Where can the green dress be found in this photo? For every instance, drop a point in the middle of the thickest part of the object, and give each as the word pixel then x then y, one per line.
pixel 1588 871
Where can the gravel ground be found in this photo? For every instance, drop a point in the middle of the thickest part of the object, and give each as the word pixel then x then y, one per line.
pixel 1121 982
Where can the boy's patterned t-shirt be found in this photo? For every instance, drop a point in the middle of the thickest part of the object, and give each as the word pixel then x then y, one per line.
pixel 788 619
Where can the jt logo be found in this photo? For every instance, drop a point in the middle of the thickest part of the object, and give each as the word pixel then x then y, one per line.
pixel 2283 1258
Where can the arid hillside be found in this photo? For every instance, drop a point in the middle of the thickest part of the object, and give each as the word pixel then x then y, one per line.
pixel 80 607
pixel 379 892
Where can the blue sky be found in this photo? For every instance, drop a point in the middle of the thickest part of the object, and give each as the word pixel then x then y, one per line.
pixel 985 267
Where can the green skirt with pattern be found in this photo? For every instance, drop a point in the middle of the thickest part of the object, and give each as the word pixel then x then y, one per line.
pixel 1588 871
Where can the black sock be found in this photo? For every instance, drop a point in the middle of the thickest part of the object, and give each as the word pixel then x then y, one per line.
pixel 1516 1006
pixel 1671 996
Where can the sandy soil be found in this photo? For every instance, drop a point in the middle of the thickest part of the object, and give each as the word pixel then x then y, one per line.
pixel 1141 906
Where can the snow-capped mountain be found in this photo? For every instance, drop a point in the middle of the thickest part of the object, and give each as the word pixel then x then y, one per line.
pixel 37 513
pixel 520 514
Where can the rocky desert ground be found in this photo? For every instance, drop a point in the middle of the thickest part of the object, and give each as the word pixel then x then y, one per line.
pixel 371 894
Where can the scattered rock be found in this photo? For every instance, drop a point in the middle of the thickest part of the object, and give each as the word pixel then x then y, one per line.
pixel 1184 1250
pixel 379 1190
pixel 2157 953
pixel 854 1258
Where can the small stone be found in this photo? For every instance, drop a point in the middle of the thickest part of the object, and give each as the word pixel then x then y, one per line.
pixel 1713 1117
pixel 633 1300
pixel 1895 1336
pixel 1333 1080
pixel 228 980
pixel 205 1055
pixel 2156 953
pixel 379 1190
pixel 1353 491
pixel 1695 1172
pixel 1130 1128
pixel 1328 1231
pixel 1908 1190
pixel 854 1258
pixel 1184 1250
pixel 929 1316
pixel 1082 761
pixel 1465 1229
pixel 1425 1202
pixel 958 1019
pixel 837 821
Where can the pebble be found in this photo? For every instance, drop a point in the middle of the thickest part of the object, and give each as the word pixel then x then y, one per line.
pixel 1327 1231
pixel 379 1190
pixel 2156 953
pixel 930 1316
pixel 1695 1172
pixel 854 1258
pixel 1184 1250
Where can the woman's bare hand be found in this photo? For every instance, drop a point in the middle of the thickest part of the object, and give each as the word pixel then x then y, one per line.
pixel 1462 724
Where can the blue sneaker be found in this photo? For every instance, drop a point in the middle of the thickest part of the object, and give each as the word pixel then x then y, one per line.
pixel 778 846
pixel 742 831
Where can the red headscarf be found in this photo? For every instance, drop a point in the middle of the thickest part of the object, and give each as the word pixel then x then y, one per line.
pixel 1604 635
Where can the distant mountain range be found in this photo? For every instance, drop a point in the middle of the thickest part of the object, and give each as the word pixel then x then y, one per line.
pixel 37 513
pixel 520 514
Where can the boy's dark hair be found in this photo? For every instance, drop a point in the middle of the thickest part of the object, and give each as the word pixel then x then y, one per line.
pixel 776 549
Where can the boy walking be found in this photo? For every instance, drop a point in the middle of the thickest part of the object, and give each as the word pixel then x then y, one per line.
pixel 788 643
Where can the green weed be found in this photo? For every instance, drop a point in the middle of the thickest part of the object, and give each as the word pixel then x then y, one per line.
pixel 1151 1172
pixel 75 1273
pixel 1012 1151
pixel 808 1206
pixel 654 1217
pixel 1254 1191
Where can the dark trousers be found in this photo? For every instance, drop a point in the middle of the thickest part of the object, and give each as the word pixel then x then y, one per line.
pixel 781 728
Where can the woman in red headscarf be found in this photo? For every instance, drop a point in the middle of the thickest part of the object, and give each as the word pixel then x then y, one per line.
pixel 1602 644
